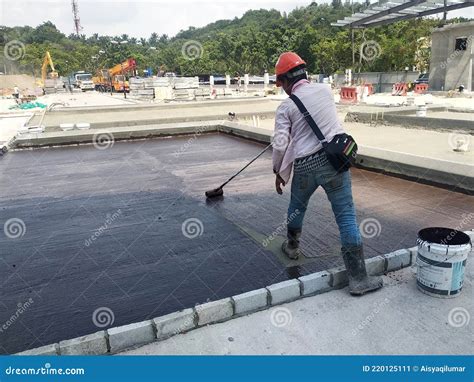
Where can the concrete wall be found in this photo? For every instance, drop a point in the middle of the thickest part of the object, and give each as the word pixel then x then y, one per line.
pixel 450 68
pixel 382 81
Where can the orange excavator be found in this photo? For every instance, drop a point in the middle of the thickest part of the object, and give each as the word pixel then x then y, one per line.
pixel 114 79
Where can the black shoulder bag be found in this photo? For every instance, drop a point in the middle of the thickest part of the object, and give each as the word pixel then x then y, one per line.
pixel 341 151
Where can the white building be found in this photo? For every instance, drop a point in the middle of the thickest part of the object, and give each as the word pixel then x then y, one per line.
pixel 452 57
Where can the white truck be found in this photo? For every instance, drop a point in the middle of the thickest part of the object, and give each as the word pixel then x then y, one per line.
pixel 82 80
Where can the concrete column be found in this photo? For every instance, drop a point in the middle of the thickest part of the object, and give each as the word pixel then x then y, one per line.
pixel 246 82
pixel 227 81
pixel 212 88
pixel 348 77
pixel 266 79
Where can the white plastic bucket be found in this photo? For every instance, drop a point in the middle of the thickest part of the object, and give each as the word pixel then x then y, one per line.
pixel 441 261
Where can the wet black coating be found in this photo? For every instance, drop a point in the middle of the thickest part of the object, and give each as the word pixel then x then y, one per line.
pixel 104 228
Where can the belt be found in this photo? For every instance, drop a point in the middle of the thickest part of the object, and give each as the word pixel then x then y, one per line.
pixel 311 162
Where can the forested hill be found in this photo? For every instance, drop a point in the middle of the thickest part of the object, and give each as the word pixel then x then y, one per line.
pixel 249 44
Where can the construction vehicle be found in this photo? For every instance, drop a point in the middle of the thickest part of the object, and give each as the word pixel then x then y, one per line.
pixel 114 79
pixel 47 61
pixel 81 80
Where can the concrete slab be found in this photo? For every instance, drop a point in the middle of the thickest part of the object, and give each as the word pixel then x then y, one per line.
pixel 128 115
pixel 133 199
pixel 398 319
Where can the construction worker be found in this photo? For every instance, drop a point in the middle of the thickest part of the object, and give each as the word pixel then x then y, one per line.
pixel 296 147
pixel 16 93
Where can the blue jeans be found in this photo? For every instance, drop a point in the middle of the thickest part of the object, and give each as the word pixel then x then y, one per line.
pixel 339 192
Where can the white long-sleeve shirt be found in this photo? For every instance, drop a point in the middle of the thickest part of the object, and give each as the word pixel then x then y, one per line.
pixel 293 137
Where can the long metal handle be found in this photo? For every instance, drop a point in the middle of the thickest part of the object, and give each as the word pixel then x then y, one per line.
pixel 248 164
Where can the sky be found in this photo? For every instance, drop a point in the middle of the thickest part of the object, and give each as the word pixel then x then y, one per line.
pixel 138 18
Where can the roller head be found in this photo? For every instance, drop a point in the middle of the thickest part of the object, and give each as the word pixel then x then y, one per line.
pixel 215 193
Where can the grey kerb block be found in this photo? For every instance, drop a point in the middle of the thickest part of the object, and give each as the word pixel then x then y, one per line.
pixel 175 323
pixel 52 349
pixel 250 301
pixel 397 260
pixel 285 291
pixel 130 335
pixel 214 311
pixel 92 344
pixel 315 283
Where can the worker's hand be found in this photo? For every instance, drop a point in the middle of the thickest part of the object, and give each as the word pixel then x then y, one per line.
pixel 278 183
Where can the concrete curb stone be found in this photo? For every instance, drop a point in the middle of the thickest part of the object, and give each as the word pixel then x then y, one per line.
pixel 250 301
pixel 315 283
pixel 397 260
pixel 175 323
pixel 91 344
pixel 339 277
pixel 214 311
pixel 52 349
pixel 375 266
pixel 127 336
pixel 284 291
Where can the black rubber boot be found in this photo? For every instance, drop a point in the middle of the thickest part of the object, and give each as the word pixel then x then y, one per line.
pixel 291 246
pixel 359 282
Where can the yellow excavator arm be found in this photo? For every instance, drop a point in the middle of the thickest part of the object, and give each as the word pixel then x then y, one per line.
pixel 47 61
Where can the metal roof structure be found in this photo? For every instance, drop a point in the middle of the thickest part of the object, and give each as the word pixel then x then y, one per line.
pixel 391 11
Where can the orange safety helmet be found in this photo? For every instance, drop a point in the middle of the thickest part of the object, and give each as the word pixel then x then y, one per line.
pixel 286 62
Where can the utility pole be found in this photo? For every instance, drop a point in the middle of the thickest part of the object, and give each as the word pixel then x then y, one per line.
pixel 75 16
pixel 445 12
pixel 353 51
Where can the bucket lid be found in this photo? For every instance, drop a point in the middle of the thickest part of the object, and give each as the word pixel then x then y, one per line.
pixel 444 236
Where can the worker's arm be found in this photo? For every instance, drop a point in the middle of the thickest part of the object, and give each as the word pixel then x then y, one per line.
pixel 281 139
